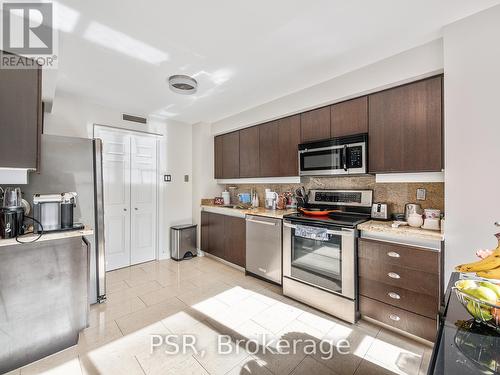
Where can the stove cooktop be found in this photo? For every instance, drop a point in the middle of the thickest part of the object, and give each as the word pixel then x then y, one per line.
pixel 344 219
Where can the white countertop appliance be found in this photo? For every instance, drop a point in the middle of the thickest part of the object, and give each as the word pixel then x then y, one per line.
pixel 320 252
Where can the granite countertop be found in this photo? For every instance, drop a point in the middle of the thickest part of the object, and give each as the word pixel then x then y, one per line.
pixel 260 211
pixel 406 231
pixel 48 236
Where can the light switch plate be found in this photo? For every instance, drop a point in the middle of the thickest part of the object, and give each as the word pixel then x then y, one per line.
pixel 167 178
pixel 421 194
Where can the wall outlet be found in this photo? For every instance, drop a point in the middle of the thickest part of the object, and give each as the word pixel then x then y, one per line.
pixel 421 194
pixel 167 178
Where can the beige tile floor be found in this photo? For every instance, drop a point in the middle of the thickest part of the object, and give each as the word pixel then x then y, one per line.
pixel 206 298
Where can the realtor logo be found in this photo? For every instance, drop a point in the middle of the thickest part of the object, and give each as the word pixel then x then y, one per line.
pixel 28 36
pixel 27 28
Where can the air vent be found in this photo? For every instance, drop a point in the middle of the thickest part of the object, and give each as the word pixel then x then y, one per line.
pixel 182 84
pixel 140 120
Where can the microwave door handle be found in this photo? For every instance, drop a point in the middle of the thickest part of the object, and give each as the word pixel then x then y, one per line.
pixel 345 157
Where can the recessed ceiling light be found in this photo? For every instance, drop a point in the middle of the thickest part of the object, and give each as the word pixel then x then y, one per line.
pixel 182 84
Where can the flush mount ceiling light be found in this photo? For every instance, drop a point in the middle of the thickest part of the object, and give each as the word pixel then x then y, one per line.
pixel 182 84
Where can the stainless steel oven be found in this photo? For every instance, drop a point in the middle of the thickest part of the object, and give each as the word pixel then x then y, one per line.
pixel 337 156
pixel 321 257
pixel 320 252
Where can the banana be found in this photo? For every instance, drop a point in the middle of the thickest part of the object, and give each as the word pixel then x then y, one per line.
pixel 488 263
pixel 490 274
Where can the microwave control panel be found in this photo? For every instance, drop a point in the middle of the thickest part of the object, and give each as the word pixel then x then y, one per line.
pixel 355 158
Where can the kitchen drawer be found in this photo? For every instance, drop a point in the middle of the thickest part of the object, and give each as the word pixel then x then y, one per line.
pixel 409 322
pixel 422 304
pixel 400 255
pixel 405 278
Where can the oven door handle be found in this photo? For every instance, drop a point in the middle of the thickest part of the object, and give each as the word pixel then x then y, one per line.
pixel 343 232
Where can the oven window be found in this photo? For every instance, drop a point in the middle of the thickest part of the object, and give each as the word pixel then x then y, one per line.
pixel 318 262
pixel 322 160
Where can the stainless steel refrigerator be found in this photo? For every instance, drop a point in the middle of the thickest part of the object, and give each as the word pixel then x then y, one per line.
pixel 75 164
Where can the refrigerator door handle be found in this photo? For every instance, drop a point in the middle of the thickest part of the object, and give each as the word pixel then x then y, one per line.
pixel 99 220
pixel 88 245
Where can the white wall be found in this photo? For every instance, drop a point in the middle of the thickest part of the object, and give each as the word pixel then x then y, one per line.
pixel 407 66
pixel 472 134
pixel 204 184
pixel 74 117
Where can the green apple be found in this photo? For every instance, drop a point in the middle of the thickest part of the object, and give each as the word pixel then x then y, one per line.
pixel 465 284
pixel 482 293
pixel 493 287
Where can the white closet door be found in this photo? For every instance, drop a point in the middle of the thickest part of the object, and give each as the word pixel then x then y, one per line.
pixel 116 176
pixel 143 199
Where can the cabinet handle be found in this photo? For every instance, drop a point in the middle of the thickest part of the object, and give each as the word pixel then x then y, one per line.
pixel 136 208
pixel 393 275
pixel 124 209
pixel 393 254
pixel 394 295
pixel 394 317
pixel 262 222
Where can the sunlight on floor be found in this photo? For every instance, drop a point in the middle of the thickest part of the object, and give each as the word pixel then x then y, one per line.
pixel 206 299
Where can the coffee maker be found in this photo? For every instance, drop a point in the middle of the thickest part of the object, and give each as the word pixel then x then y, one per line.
pixel 54 212
pixel 11 214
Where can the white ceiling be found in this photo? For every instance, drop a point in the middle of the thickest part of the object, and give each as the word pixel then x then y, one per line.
pixel 243 53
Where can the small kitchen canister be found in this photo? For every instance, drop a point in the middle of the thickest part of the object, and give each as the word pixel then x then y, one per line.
pixel 432 213
pixel 227 197
pixel 415 220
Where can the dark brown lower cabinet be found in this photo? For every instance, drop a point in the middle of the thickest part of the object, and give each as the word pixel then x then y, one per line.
pixel 216 235
pixel 399 285
pixel 205 231
pixel 224 237
pixel 404 320
pixel 235 240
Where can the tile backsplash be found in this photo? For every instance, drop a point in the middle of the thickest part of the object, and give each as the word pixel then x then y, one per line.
pixel 395 194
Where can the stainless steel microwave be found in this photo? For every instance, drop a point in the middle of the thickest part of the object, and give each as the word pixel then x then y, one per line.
pixel 336 156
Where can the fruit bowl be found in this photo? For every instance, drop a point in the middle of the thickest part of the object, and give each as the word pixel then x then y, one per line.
pixel 483 310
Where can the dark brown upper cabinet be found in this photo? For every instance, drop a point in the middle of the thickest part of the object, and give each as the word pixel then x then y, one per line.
pixel 349 117
pixel 249 152
pixel 218 157
pixel 405 128
pixel 289 140
pixel 227 155
pixel 21 117
pixel 269 149
pixel 315 125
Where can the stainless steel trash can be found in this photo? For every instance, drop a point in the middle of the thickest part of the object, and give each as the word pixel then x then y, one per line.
pixel 183 241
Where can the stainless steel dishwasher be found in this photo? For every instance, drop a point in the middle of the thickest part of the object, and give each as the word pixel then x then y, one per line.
pixel 263 247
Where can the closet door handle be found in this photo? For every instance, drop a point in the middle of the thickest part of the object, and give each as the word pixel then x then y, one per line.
pixel 136 208
pixel 124 209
